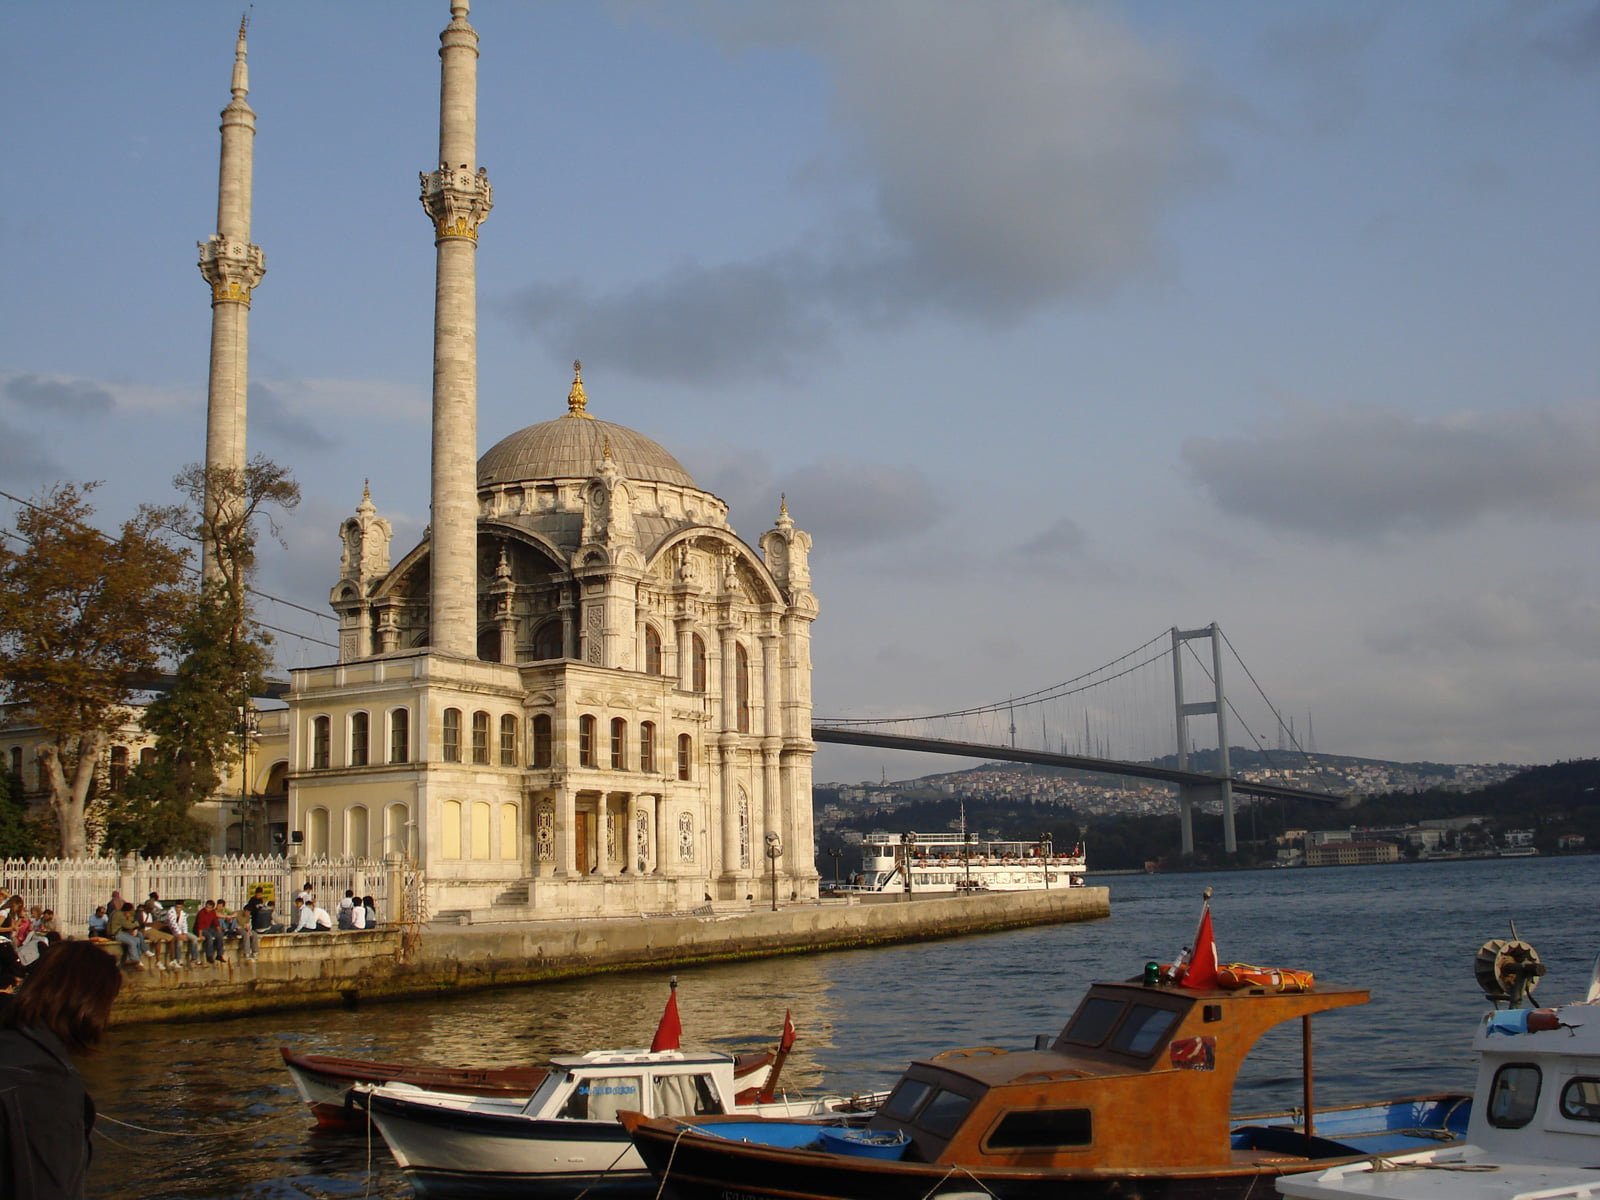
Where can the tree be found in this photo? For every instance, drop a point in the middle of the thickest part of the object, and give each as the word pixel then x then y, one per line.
pixel 16 836
pixel 85 620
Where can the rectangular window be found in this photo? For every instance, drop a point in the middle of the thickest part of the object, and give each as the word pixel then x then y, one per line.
pixel 452 735
pixel 358 739
pixel 480 738
pixel 943 1115
pixel 542 726
pixel 602 1097
pixel 508 740
pixel 586 741
pixel 619 744
pixel 400 735
pixel 1514 1095
pixel 1143 1029
pixel 1042 1129
pixel 906 1098
pixel 1093 1022
pixel 320 738
pixel 647 746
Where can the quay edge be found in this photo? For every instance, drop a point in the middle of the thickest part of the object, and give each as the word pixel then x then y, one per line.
pixel 330 970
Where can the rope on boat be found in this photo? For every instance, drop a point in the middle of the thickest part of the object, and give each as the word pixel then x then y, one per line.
pixel 945 1177
pixel 667 1171
pixel 225 1131
pixel 609 1169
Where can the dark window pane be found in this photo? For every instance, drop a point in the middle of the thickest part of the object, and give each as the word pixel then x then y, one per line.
pixel 1043 1128
pixel 1143 1030
pixel 1093 1022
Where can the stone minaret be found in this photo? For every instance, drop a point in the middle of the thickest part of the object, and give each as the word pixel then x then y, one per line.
pixel 457 199
pixel 233 267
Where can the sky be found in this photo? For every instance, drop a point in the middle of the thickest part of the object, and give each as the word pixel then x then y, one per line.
pixel 1058 324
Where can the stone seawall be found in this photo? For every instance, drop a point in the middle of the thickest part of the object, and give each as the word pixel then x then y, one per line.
pixel 346 968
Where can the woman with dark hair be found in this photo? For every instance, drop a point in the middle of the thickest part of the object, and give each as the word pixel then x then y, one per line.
pixel 45 1113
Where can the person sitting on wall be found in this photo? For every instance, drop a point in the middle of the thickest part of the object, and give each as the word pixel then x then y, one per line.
pixel 372 912
pixel 209 928
pixel 99 922
pixel 158 939
pixel 347 904
pixel 185 945
pixel 122 926
pixel 321 921
pixel 358 914
pixel 305 917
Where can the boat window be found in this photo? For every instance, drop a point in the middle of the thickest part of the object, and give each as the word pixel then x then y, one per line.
pixel 602 1097
pixel 1514 1095
pixel 685 1096
pixel 906 1098
pixel 1143 1030
pixel 1580 1099
pixel 1041 1128
pixel 943 1114
pixel 1093 1022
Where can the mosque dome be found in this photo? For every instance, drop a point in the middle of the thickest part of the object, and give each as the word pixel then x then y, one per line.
pixel 573 446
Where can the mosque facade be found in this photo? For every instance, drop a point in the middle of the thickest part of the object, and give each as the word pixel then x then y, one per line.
pixel 582 693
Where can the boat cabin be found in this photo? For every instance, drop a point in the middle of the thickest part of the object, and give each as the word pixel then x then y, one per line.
pixel 1141 1074
pixel 598 1085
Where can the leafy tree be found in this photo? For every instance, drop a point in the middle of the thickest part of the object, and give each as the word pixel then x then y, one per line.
pixel 16 835
pixel 84 618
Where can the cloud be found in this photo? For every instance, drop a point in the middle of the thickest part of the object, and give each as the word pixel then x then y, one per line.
pixel 68 397
pixel 1063 536
pixel 1526 621
pixel 22 456
pixel 1015 155
pixel 1363 473
pixel 850 505
pixel 270 414
pixel 1322 52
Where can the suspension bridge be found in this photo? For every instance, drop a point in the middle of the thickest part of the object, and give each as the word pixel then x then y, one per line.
pixel 1136 705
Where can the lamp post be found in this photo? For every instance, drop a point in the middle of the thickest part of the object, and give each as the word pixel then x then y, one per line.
pixel 835 853
pixel 774 853
pixel 249 729
pixel 1045 842
pixel 907 840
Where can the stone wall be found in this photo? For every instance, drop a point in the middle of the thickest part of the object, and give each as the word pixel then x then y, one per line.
pixel 350 967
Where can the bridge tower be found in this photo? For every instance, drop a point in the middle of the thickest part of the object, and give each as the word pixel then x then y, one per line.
pixel 1187 793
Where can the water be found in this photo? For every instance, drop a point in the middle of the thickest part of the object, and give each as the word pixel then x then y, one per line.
pixel 218 1116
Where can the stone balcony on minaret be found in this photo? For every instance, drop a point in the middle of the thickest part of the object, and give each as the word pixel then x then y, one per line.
pixel 232 268
pixel 456 200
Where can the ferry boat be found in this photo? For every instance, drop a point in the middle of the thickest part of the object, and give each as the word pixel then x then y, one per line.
pixel 1131 1099
pixel 950 864
pixel 1534 1133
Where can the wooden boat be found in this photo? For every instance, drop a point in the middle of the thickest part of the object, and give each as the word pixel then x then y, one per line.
pixel 1131 1099
pixel 325 1081
pixel 1535 1127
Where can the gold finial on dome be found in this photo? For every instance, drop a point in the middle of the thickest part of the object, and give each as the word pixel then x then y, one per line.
pixel 577 402
pixel 605 451
pixel 783 504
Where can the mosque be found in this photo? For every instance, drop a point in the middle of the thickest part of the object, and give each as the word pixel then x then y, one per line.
pixel 582 693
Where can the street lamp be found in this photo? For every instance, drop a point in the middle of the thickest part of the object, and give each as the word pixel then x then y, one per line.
pixel 835 853
pixel 1045 841
pixel 774 853
pixel 907 840
pixel 249 729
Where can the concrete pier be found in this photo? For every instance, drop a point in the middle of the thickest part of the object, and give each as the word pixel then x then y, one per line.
pixel 347 968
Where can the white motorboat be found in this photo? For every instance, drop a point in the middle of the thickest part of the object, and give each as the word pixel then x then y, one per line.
pixel 565 1139
pixel 1534 1133
pixel 953 863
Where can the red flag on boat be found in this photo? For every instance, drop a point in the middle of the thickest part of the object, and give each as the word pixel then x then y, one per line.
pixel 669 1033
pixel 786 1042
pixel 1202 965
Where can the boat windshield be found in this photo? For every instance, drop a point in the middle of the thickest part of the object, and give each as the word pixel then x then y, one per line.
pixel 1094 1020
pixel 906 1098
pixel 1143 1029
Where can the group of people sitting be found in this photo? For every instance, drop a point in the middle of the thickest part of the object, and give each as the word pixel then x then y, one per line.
pixel 161 933
pixel 28 931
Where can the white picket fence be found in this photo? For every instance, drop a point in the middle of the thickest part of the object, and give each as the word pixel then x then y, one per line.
pixel 74 887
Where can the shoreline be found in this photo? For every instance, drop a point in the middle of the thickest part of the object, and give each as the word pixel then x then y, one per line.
pixel 349 968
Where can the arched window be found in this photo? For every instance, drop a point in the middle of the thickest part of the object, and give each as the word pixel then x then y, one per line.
pixel 697 653
pixel 397 829
pixel 355 838
pixel 489 645
pixel 508 740
pixel 359 729
pixel 542 727
pixel 452 736
pixel 480 738
pixel 741 660
pixel 400 735
pixel 321 734
pixel 586 740
pixel 16 764
pixel 147 755
pixel 317 833
pixel 480 830
pixel 547 640
pixel 510 832
pixel 652 651
pixel 685 755
pixel 119 767
pixel 647 746
pixel 619 744
pixel 450 829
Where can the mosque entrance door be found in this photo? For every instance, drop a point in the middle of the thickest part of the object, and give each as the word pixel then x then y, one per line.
pixel 583 839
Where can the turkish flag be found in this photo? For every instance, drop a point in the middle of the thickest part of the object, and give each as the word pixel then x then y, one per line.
pixel 669 1033
pixel 1202 967
pixel 787 1040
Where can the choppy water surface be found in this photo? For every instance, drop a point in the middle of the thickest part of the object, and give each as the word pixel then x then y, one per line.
pixel 218 1116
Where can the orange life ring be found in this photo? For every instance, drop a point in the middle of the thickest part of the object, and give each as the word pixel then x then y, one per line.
pixel 1234 976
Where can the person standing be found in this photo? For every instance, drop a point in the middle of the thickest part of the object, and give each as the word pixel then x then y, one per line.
pixel 46 1113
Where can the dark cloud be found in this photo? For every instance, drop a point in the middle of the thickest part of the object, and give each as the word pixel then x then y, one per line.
pixel 23 457
pixel 71 397
pixel 849 505
pixel 1063 536
pixel 1359 474
pixel 271 416
pixel 1323 52
pixel 1528 39
pixel 1015 156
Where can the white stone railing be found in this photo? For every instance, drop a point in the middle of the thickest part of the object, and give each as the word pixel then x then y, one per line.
pixel 73 888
